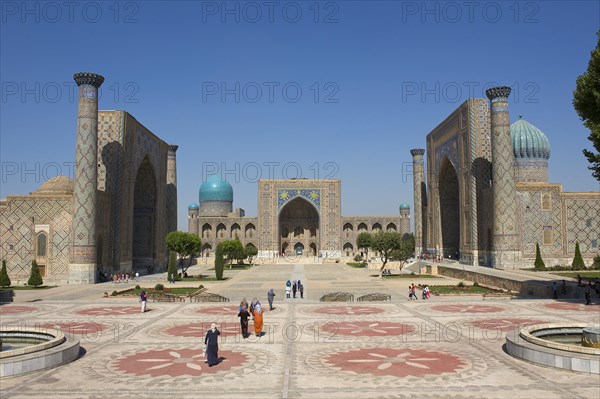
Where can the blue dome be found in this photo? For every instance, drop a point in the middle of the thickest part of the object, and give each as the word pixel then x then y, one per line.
pixel 215 189
pixel 528 141
pixel 404 206
pixel 193 205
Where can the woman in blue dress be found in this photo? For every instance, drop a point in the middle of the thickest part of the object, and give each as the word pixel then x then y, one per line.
pixel 211 345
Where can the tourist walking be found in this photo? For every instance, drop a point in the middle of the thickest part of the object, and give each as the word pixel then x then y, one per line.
pixel 554 290
pixel 588 293
pixel 270 297
pixel 410 293
pixel 294 288
pixel 288 289
pixel 211 345
pixel 302 291
pixel 258 320
pixel 414 292
pixel 244 315
pixel 143 300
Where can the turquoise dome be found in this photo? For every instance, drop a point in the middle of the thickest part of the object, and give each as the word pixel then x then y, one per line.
pixel 529 141
pixel 404 206
pixel 193 205
pixel 215 189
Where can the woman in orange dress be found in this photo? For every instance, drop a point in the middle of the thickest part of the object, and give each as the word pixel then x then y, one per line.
pixel 258 319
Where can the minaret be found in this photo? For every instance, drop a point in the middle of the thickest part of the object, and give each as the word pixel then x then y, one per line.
pixel 417 154
pixel 193 220
pixel 404 219
pixel 172 188
pixel 82 267
pixel 506 251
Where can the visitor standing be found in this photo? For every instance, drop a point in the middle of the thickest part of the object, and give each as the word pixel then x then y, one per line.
pixel 288 289
pixel 244 315
pixel 294 288
pixel 211 345
pixel 258 320
pixel 270 297
pixel 143 299
pixel 554 290
pixel 588 293
pixel 302 291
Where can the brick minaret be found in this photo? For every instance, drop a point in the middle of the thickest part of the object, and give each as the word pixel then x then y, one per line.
pixel 172 188
pixel 82 267
pixel 417 154
pixel 506 251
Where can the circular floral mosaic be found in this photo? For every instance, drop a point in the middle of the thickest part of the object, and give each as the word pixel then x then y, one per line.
pixel 467 308
pixel 348 310
pixel 577 307
pixel 110 311
pixel 13 309
pixel 504 325
pixel 199 330
pixel 367 328
pixel 396 362
pixel 177 363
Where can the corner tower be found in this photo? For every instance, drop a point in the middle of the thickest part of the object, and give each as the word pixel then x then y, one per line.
pixel 417 154
pixel 506 251
pixel 83 251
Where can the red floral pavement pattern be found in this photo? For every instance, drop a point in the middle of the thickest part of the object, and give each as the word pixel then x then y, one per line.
pixel 396 362
pixel 577 307
pixel 504 324
pixel 177 363
pixel 348 310
pixel 110 311
pixel 199 330
pixel 220 310
pixel 13 309
pixel 467 308
pixel 368 328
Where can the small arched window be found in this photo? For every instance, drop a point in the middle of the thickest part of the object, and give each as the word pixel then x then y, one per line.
pixel 42 243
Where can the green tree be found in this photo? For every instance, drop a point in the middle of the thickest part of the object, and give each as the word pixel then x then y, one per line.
pixel 233 250
pixel 578 262
pixel 385 243
pixel 586 101
pixel 4 279
pixel 187 245
pixel 539 262
pixel 35 279
pixel 219 262
pixel 406 250
pixel 251 251
pixel 364 241
pixel 172 269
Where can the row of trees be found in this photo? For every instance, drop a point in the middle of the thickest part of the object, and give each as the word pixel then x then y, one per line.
pixel 35 278
pixel 390 245
pixel 577 263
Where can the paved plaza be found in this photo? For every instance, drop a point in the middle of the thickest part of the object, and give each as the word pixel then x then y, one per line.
pixel 446 347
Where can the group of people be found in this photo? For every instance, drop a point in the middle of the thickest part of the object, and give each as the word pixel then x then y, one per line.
pixel 292 287
pixel 412 292
pixel 123 277
pixel 587 289
pixel 254 311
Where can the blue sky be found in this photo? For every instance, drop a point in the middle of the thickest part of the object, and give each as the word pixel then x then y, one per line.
pixel 340 89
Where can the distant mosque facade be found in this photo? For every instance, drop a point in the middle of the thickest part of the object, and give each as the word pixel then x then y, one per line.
pixel 296 217
pixel 484 196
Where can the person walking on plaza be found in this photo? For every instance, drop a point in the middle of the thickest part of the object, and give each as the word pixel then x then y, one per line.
pixel 414 292
pixel 244 315
pixel 270 297
pixel 211 345
pixel 294 288
pixel 143 300
pixel 302 291
pixel 588 293
pixel 258 320
pixel 288 289
pixel 554 290
pixel 410 293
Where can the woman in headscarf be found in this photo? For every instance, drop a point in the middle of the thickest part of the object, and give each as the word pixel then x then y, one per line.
pixel 244 303
pixel 244 315
pixel 211 345
pixel 258 320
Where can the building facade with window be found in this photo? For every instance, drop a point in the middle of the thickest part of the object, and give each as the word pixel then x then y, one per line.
pixel 296 217
pixel 484 196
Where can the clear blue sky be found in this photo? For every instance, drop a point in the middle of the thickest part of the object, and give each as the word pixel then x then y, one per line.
pixel 375 78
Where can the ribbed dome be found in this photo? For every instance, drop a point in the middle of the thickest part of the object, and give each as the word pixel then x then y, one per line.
pixel 193 205
pixel 58 184
pixel 529 141
pixel 404 206
pixel 215 189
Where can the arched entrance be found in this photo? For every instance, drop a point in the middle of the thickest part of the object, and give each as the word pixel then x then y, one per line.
pixel 301 216
pixel 449 210
pixel 144 217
